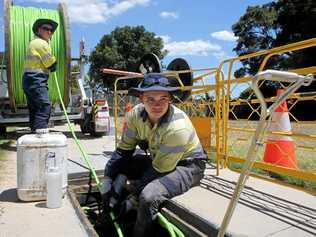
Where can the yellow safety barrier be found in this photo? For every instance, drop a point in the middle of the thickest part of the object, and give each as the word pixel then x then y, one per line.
pixel 234 129
pixel 226 120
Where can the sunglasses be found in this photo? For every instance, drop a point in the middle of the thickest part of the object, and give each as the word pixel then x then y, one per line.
pixel 47 28
pixel 152 81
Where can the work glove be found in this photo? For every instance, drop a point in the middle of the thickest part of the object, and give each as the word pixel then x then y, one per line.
pixel 53 67
pixel 128 205
pixel 106 190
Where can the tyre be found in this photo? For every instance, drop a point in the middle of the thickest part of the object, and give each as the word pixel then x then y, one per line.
pixel 94 133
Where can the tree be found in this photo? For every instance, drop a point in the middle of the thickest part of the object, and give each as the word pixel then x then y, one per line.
pixel 122 49
pixel 274 24
pixel 256 30
pixel 297 20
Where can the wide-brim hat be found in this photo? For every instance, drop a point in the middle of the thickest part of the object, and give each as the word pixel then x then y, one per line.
pixel 154 82
pixel 39 22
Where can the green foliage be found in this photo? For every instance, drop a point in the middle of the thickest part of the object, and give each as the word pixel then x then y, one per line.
pixel 122 49
pixel 274 24
pixel 256 30
pixel 271 25
pixel 297 20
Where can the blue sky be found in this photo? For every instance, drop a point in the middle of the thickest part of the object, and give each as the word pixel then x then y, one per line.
pixel 198 31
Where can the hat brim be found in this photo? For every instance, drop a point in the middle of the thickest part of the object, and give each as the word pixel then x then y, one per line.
pixel 135 91
pixel 39 22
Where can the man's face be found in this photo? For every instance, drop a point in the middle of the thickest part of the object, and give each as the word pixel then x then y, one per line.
pixel 156 104
pixel 45 31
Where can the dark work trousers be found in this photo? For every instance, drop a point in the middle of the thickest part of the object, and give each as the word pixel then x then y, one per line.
pixel 36 92
pixel 154 188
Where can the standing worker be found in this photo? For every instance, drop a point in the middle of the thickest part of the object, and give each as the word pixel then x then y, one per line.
pixel 176 159
pixel 39 62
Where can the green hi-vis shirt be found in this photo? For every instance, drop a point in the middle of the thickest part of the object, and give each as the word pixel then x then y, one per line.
pixel 174 138
pixel 39 56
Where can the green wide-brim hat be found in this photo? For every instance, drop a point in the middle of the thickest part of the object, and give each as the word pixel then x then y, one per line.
pixel 39 22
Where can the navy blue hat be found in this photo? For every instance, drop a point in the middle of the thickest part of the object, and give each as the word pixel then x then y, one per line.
pixel 153 82
pixel 41 21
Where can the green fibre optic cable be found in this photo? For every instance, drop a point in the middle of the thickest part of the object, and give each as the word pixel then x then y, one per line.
pixel 84 154
pixel 172 229
pixel 21 22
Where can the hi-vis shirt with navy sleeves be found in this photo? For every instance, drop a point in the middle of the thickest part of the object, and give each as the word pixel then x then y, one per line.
pixel 173 139
pixel 39 57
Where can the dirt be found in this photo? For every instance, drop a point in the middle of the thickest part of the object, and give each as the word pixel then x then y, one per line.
pixel 8 165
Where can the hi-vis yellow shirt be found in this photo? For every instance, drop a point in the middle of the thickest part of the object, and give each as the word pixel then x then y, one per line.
pixel 39 56
pixel 173 139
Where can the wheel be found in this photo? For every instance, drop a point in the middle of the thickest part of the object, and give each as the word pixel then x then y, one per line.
pixel 94 133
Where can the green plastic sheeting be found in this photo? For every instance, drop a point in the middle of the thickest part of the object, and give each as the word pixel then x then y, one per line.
pixel 21 22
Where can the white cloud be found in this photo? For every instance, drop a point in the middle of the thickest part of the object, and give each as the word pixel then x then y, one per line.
pixel 224 35
pixel 165 15
pixel 96 11
pixel 195 47
pixel 165 38
pixel 219 55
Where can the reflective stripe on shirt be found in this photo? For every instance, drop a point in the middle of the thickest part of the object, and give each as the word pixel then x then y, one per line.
pixel 171 149
pixel 39 57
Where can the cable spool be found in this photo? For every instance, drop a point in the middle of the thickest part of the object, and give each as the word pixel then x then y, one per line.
pixel 149 63
pixel 18 33
pixel 179 64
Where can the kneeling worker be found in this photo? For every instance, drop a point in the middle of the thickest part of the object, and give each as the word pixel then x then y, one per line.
pixel 39 62
pixel 176 159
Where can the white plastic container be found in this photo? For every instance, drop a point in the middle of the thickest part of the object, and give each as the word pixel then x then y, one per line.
pixel 35 153
pixel 54 188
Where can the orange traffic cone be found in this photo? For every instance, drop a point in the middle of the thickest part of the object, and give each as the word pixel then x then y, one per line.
pixel 128 108
pixel 280 149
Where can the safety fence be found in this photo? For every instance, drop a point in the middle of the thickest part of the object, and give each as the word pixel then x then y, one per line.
pixel 289 143
pixel 226 111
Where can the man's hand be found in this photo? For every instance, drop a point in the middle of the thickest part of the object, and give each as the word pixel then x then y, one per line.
pixel 106 192
pixel 53 67
pixel 130 204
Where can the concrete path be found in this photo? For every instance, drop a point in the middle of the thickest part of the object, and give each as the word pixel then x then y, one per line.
pixel 264 209
pixel 29 219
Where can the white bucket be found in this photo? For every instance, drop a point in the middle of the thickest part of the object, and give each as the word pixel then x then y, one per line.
pixel 35 154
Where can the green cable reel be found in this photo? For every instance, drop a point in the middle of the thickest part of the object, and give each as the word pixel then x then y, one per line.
pixel 18 33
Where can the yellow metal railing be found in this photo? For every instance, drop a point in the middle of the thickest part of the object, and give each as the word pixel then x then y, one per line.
pixel 233 132
pixel 215 99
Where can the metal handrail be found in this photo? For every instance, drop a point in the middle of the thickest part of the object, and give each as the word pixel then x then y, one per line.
pixel 257 139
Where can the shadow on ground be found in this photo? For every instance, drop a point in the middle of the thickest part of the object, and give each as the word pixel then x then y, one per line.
pixel 9 195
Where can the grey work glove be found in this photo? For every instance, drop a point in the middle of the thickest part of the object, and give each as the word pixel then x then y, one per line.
pixel 106 189
pixel 130 204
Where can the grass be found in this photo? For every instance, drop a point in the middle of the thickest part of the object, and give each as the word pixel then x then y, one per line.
pixel 287 179
pixel 239 142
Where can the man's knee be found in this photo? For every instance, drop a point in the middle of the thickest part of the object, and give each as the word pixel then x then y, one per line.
pixel 152 196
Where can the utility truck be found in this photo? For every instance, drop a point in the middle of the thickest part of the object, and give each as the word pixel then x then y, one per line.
pixel 91 114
